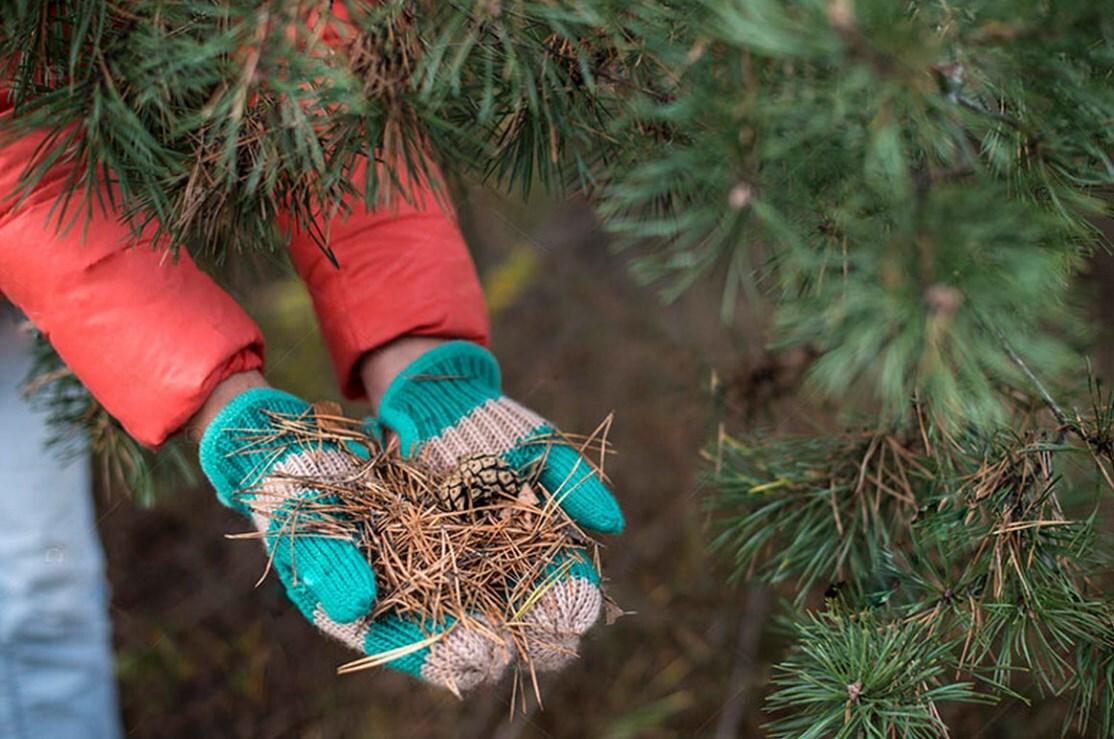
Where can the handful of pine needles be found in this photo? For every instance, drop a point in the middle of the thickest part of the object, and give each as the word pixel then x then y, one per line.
pixel 473 544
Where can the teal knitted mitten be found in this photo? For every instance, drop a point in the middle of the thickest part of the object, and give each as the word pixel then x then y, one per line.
pixel 328 579
pixel 447 405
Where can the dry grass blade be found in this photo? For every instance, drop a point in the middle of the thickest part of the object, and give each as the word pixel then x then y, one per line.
pixel 378 660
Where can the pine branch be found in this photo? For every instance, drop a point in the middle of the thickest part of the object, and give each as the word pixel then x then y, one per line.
pixel 879 678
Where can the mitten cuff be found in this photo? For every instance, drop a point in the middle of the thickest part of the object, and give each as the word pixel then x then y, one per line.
pixel 438 389
pixel 233 456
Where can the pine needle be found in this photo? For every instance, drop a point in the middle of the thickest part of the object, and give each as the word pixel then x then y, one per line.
pixel 485 566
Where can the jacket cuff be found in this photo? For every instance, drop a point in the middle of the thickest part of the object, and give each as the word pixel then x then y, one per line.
pixel 404 270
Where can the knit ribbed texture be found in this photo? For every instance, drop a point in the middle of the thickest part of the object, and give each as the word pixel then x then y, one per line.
pixel 436 390
pixel 222 446
pixel 461 660
pixel 465 659
pixel 558 619
pixel 569 608
pixel 384 634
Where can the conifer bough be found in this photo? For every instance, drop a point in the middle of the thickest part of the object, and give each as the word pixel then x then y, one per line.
pixel 908 189
pixel 212 118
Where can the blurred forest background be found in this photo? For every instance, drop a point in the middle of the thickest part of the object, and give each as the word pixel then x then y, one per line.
pixel 201 652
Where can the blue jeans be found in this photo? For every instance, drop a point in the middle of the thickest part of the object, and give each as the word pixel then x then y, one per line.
pixel 56 667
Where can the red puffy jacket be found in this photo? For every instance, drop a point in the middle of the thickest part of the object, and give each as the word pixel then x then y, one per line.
pixel 150 338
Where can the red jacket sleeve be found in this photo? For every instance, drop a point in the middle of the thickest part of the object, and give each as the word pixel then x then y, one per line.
pixel 149 337
pixel 404 269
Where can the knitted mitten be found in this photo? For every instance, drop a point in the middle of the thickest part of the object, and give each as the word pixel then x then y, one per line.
pixel 448 405
pixel 328 579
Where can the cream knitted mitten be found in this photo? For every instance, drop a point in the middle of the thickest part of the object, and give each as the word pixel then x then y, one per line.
pixel 448 405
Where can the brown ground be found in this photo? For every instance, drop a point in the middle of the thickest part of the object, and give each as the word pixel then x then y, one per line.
pixel 204 653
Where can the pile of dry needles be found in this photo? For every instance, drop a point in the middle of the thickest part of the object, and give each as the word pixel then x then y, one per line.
pixel 477 540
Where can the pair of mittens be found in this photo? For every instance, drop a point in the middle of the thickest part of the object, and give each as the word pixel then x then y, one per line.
pixel 445 406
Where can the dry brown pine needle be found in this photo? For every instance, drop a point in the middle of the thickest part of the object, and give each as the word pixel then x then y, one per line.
pixel 436 554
